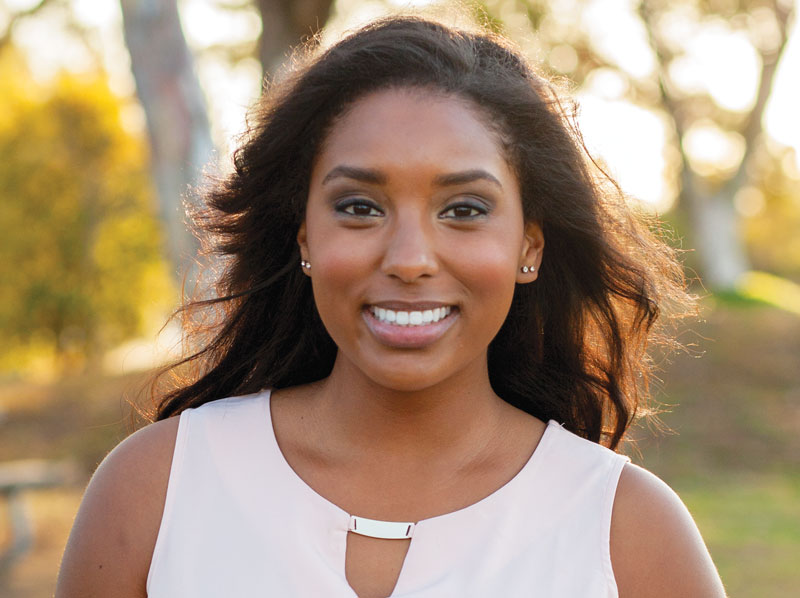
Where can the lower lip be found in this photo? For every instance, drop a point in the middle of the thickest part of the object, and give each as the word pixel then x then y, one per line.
pixel 409 337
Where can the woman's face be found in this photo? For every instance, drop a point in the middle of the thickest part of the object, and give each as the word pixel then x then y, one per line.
pixel 416 238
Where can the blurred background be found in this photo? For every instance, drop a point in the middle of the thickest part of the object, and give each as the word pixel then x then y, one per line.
pixel 110 110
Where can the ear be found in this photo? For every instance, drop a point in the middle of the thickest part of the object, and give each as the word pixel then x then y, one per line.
pixel 531 253
pixel 301 240
pixel 303 243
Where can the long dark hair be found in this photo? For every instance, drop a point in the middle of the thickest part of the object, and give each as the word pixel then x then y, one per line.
pixel 573 345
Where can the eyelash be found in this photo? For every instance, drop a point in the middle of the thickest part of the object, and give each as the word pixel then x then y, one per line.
pixel 344 206
pixel 476 211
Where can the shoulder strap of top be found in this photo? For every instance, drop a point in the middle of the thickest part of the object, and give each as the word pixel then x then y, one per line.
pixel 590 472
pixel 227 431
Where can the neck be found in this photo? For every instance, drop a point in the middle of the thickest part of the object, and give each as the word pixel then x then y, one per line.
pixel 457 413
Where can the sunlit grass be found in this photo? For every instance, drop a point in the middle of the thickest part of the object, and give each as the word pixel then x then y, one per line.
pixel 751 524
pixel 770 289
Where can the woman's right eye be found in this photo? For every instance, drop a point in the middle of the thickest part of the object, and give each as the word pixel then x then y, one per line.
pixel 359 207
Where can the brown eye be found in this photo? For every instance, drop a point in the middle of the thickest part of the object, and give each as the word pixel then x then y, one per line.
pixel 359 207
pixel 464 212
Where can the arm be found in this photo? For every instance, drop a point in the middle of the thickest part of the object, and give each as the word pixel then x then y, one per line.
pixel 656 548
pixel 111 544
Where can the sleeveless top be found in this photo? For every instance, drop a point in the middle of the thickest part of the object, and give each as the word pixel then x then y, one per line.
pixel 239 522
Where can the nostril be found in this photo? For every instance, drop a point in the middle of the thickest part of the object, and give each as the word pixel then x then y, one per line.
pixel 410 270
pixel 409 266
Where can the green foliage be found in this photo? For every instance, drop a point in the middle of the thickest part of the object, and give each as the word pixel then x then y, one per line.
pixel 735 299
pixel 79 243
pixel 772 233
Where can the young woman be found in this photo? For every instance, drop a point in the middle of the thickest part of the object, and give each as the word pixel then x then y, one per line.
pixel 434 317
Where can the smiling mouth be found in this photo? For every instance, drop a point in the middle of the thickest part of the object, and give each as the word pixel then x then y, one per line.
pixel 410 318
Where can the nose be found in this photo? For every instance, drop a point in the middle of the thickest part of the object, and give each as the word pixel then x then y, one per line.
pixel 410 249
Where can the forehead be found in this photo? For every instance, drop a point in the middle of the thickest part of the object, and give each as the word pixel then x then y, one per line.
pixel 420 129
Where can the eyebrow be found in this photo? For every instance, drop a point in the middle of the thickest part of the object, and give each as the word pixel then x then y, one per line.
pixel 365 175
pixel 467 176
pixel 369 175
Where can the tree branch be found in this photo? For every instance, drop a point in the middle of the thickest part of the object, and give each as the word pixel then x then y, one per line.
pixel 688 188
pixel 753 125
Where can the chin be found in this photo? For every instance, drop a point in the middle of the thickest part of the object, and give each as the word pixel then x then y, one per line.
pixel 411 378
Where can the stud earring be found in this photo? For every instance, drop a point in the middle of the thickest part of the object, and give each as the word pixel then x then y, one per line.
pixel 527 269
pixel 306 265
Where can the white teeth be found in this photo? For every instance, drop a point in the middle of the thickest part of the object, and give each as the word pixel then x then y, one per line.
pixel 410 318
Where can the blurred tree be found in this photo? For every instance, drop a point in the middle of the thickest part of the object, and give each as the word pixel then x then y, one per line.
pixel 13 17
pixel 177 122
pixel 173 101
pixel 770 207
pixel 180 138
pixel 79 250
pixel 286 23
pixel 708 197
pixel 573 44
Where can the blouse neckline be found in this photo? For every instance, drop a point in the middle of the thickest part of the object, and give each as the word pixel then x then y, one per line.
pixel 527 472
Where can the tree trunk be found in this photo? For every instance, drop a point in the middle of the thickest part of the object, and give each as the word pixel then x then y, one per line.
pixel 715 228
pixel 286 23
pixel 178 126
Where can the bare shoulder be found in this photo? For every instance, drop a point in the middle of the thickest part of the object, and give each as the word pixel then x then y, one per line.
pixel 109 550
pixel 656 548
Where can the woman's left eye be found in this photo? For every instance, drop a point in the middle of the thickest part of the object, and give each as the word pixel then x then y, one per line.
pixel 358 207
pixel 464 211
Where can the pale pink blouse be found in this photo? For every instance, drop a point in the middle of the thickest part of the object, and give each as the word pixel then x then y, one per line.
pixel 239 522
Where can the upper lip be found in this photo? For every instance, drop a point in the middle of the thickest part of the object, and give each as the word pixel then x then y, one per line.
pixel 409 305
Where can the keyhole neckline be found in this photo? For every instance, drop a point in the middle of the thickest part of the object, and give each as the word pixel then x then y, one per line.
pixel 526 472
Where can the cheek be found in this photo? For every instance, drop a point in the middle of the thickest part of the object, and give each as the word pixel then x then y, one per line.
pixel 489 272
pixel 338 274
pixel 339 261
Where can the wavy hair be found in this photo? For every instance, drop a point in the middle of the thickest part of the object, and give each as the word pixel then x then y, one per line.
pixel 573 346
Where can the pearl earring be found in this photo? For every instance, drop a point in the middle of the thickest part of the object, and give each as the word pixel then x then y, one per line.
pixel 306 265
pixel 527 269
